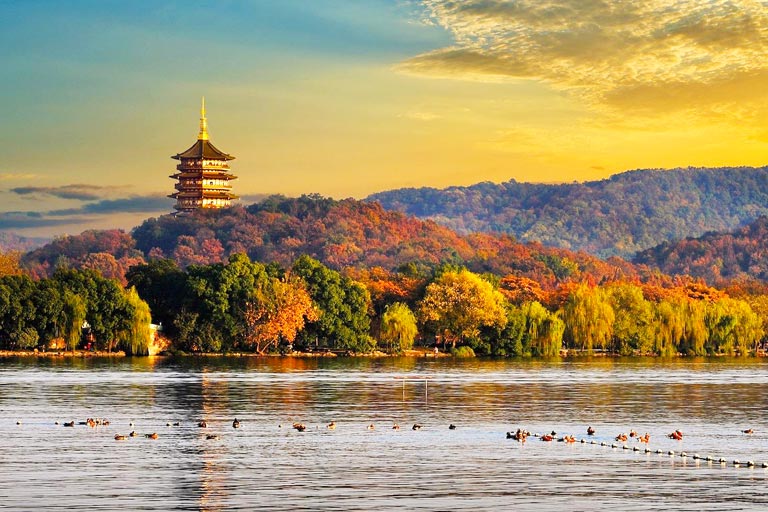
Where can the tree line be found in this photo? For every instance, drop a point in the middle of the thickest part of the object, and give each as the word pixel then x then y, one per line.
pixel 244 305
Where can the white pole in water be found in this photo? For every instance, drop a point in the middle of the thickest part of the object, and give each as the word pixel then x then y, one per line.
pixel 426 394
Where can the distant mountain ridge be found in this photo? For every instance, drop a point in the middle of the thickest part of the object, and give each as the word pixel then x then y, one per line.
pixel 11 242
pixel 741 254
pixel 617 216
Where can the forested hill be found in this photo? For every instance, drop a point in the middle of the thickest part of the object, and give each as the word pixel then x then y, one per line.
pixel 716 257
pixel 621 215
pixel 340 234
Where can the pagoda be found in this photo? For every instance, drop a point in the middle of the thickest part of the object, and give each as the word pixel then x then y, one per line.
pixel 203 174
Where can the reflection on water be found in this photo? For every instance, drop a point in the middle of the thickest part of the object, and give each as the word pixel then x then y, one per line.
pixel 268 465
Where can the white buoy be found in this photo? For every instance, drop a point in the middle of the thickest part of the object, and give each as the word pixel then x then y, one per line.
pixel 602 443
pixel 750 463
pixel 683 454
pixel 635 449
pixel 613 445
pixel 696 456
pixel 671 453
pixel 721 460
pixel 764 465
pixel 647 450
pixel 593 442
pixel 709 458
pixel 736 462
pixel 658 451
pixel 583 441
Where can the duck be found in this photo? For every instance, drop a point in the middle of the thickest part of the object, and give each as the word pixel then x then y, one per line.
pixel 395 427
pixel 633 433
pixel 748 431
pixel 569 439
pixel 202 424
pixel 213 437
pixel 590 431
pixel 645 438
pixel 69 423
pixel 177 424
pixel 133 433
pixel 300 427
pixel 416 426
pixel 120 437
pixel 332 425
pixel 153 435
pixel 621 437
pixel 520 435
pixel 236 423
pixel 676 435
pixel 451 427
pixel 547 437
pixel 371 427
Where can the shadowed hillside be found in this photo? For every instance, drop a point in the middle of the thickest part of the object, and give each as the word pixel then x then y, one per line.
pixel 621 215
pixel 715 257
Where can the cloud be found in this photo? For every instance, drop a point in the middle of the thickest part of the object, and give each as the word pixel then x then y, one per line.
pixel 12 176
pixel 627 54
pixel 78 192
pixel 106 207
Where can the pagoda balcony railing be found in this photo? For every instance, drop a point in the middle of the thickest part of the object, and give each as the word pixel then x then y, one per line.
pixel 198 186
pixel 207 164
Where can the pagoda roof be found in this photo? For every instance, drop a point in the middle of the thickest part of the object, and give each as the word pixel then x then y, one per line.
pixel 204 149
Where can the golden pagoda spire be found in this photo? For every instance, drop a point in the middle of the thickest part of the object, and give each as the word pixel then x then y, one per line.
pixel 203 135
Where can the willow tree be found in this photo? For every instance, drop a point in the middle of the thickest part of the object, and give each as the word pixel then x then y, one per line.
pixel 670 327
pixel 543 334
pixel 398 327
pixel 733 327
pixel 134 337
pixel 589 318
pixel 459 302
pixel 633 319
pixel 73 317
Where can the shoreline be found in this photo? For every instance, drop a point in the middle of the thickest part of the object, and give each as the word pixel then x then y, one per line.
pixel 426 353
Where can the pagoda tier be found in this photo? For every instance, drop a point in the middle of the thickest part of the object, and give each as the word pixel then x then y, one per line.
pixel 203 180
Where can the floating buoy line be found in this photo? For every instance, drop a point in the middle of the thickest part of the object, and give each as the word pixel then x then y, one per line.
pixel 521 435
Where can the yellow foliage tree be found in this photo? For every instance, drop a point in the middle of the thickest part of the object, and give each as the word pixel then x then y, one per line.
pixel 459 303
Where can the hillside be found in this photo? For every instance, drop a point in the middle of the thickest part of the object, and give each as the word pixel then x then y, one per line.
pixel 715 257
pixel 621 215
pixel 341 234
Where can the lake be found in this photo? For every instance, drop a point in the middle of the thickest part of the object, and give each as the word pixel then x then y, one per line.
pixel 268 465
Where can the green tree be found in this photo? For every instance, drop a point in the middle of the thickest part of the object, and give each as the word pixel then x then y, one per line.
pixel 398 327
pixel 343 306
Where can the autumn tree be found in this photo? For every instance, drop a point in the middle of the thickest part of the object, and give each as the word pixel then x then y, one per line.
pixel 276 311
pixel 459 303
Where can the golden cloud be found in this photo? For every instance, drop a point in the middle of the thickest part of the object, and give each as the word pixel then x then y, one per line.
pixel 628 54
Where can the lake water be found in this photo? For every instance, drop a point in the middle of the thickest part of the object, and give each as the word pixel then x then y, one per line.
pixel 267 465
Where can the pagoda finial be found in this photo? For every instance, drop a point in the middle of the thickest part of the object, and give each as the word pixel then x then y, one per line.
pixel 203 135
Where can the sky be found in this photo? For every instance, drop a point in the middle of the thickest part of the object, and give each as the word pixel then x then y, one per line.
pixel 350 97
